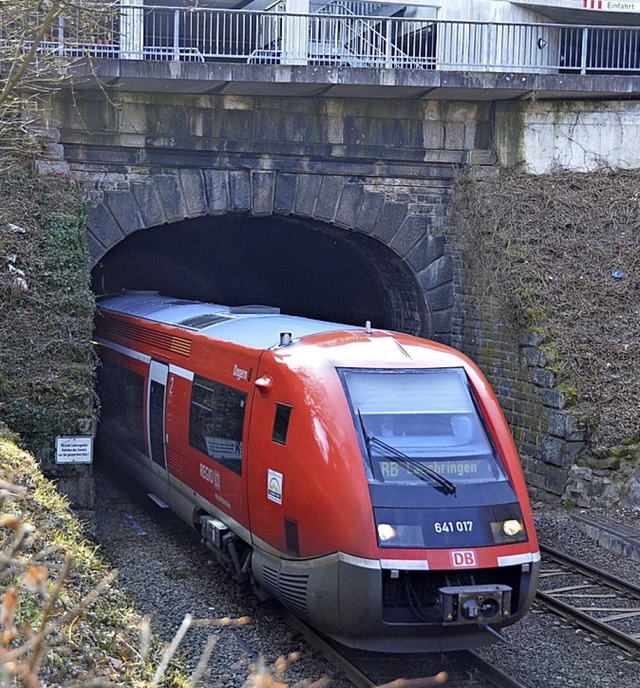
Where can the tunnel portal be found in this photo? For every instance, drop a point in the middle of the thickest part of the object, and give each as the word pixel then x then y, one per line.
pixel 304 267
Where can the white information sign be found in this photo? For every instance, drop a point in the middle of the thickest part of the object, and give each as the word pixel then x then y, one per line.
pixel 77 449
pixel 274 486
pixel 611 6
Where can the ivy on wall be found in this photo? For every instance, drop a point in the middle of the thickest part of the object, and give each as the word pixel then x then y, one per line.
pixel 46 310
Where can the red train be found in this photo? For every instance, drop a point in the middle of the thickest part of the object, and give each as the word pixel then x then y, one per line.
pixel 366 479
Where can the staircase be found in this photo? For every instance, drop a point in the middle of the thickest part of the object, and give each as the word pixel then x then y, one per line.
pixel 350 33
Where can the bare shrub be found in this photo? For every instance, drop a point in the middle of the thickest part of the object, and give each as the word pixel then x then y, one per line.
pixel 561 254
pixel 39 43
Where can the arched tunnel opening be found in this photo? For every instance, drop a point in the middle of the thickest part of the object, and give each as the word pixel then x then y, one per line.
pixel 304 267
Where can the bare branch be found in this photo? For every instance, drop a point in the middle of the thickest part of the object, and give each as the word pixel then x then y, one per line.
pixel 36 55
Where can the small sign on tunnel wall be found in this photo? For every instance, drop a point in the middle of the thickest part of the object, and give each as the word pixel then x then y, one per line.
pixel 78 449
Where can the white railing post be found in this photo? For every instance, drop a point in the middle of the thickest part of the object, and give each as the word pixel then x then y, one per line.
pixel 131 30
pixel 388 58
pixel 295 39
pixel 487 60
pixel 176 35
pixel 60 50
pixel 584 52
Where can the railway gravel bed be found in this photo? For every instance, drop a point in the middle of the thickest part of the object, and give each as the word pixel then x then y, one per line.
pixel 544 650
pixel 169 574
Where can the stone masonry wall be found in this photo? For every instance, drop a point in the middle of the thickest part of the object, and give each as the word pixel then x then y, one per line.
pixel 545 431
pixel 383 168
pixel 539 414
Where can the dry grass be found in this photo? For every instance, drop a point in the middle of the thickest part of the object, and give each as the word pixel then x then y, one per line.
pixel 63 618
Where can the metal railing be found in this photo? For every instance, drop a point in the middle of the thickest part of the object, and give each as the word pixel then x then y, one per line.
pixel 339 37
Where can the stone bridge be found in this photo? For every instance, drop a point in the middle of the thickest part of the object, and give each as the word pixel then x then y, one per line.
pixel 327 192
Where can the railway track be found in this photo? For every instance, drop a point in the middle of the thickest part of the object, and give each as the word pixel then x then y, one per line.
pixel 369 670
pixel 591 598
pixel 160 559
pixel 584 594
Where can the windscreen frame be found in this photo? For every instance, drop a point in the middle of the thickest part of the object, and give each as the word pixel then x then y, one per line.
pixel 371 459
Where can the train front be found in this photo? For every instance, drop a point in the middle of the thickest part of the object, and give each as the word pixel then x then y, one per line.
pixel 402 519
pixel 459 556
pixel 455 555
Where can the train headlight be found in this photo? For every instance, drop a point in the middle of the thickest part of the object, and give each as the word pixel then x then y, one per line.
pixel 400 535
pixel 509 530
pixel 386 532
pixel 512 527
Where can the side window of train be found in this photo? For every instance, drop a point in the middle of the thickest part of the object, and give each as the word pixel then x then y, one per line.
pixel 216 421
pixel 281 424
pixel 122 403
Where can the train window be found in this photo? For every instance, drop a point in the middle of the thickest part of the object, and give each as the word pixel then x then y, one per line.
pixel 122 403
pixel 425 416
pixel 216 421
pixel 281 424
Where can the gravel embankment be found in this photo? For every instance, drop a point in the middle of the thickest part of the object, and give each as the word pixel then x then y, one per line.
pixel 170 574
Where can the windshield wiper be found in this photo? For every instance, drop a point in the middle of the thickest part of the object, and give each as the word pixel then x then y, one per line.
pixel 418 469
pixel 366 439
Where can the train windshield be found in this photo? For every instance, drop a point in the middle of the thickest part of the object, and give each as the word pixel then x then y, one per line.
pixel 421 426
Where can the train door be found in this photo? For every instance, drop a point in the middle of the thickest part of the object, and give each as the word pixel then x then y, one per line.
pixel 156 415
pixel 269 470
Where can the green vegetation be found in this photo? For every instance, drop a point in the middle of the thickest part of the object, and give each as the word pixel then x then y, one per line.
pixel 46 311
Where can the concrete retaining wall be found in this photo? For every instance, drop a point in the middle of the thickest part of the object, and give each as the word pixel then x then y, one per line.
pixel 578 136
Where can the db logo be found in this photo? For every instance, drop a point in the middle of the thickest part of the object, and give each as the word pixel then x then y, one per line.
pixel 463 558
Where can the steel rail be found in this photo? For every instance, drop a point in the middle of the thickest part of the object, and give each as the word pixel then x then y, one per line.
pixel 622 640
pixel 353 674
pixel 584 620
pixel 342 663
pixel 581 566
pixel 493 674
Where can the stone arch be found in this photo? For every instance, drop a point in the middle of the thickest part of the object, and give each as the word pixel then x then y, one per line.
pixel 417 270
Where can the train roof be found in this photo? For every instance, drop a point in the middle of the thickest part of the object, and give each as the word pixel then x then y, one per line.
pixel 255 326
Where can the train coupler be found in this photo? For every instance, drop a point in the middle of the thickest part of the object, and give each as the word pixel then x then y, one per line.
pixel 482 604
